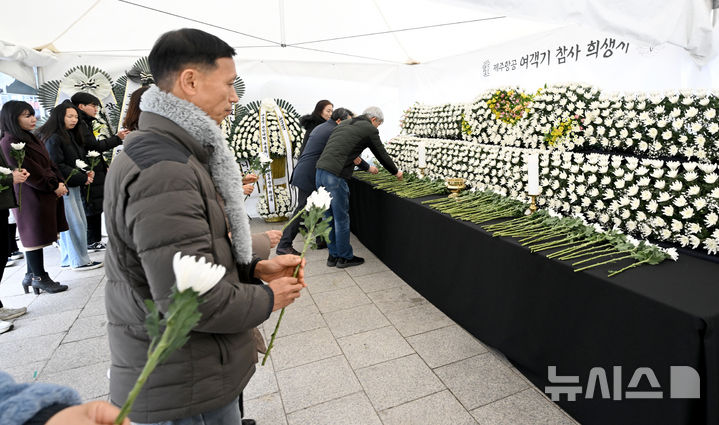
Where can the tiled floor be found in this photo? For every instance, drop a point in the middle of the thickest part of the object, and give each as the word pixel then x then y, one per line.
pixel 359 347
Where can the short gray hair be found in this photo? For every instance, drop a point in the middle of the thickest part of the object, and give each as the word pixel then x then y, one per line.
pixel 374 112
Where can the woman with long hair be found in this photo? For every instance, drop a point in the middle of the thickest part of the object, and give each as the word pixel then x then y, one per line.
pixel 323 112
pixel 132 114
pixel 42 215
pixel 64 143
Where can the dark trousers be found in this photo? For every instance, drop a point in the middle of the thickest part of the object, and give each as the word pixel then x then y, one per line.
pixel 94 228
pixel 291 231
pixel 11 242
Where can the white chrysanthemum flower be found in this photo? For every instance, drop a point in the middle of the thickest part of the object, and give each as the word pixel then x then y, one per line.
pixel 17 146
pixel 5 170
pixel 198 275
pixel 80 164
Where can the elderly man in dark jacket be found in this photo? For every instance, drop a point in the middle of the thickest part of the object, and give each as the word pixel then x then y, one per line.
pixel 175 188
pixel 303 176
pixel 89 105
pixel 335 167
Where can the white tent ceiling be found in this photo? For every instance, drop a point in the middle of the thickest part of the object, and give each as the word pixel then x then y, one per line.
pixel 320 30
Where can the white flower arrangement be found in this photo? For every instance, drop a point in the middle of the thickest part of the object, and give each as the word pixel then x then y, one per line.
pixel 283 204
pixel 246 141
pixel 669 201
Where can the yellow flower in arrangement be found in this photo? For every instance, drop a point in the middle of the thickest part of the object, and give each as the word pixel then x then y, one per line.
pixel 509 106
pixel 561 131
pixel 466 128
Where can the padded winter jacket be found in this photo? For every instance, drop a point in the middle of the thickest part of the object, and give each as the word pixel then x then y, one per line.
pixel 160 199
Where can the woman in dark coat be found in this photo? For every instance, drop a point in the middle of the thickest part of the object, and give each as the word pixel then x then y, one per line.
pixel 323 112
pixel 64 143
pixel 42 215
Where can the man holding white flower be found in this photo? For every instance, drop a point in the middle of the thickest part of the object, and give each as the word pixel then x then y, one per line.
pixel 176 187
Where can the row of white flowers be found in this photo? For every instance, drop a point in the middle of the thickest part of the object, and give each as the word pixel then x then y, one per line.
pixel 648 198
pixel 678 124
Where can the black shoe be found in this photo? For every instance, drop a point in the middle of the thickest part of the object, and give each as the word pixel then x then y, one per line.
pixel 285 251
pixel 95 247
pixel 46 284
pixel 321 244
pixel 27 282
pixel 354 261
pixel 17 255
pixel 249 422
pixel 331 261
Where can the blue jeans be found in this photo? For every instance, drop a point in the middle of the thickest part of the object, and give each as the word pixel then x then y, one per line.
pixel 73 242
pixel 227 415
pixel 339 245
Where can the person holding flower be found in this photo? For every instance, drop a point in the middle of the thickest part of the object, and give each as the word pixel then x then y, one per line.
pixel 178 188
pixel 42 216
pixel 65 144
pixel 89 106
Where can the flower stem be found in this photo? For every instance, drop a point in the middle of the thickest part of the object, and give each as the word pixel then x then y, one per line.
pixel 152 361
pixel 310 234
pixel 637 264
pixel 603 262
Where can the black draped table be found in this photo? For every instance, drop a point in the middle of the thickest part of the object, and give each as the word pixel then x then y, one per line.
pixel 540 313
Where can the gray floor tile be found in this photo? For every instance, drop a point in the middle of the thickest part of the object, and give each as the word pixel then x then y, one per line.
pixel 355 320
pixel 354 409
pixel 438 409
pixel 316 383
pixel 263 382
pixel 340 299
pixel 480 380
pixel 18 301
pixel 318 268
pixel 74 298
pixel 15 353
pixel 445 345
pixel 90 381
pixel 69 274
pixel 421 318
pixel 266 409
pixel 378 281
pixel 303 348
pixel 370 266
pixel 26 372
pixel 329 282
pixel 94 307
pixel 372 347
pixel 11 288
pixel 398 298
pixel 31 326
pixel 527 407
pixel 78 353
pixel 297 318
pixel 398 381
pixel 87 327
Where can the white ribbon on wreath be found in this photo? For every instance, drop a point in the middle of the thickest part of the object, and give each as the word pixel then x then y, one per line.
pixel 266 179
pixel 290 162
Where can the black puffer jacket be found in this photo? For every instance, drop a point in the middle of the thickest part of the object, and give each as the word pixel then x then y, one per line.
pixel 64 153
pixel 94 205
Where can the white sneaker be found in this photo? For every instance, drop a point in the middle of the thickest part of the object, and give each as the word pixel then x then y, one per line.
pixel 10 263
pixel 5 326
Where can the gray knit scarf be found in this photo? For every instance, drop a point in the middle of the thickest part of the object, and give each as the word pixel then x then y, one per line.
pixel 224 169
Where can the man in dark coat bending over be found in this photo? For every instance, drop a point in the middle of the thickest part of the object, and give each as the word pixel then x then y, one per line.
pixel 335 166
